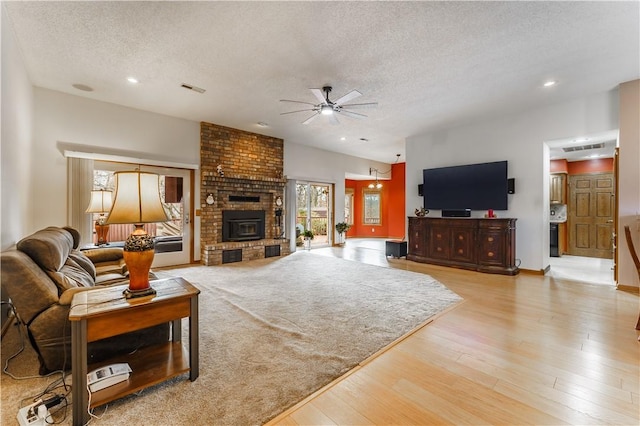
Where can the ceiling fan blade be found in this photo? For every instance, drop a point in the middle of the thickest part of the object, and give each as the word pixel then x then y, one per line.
pixel 297 102
pixel 333 119
pixel 365 105
pixel 319 95
pixel 352 114
pixel 310 119
pixel 346 98
pixel 300 110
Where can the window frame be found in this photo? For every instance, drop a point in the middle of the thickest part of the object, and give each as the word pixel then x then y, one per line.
pixel 365 219
pixel 349 218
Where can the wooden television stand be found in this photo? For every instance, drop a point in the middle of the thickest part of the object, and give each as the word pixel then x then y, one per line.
pixel 484 245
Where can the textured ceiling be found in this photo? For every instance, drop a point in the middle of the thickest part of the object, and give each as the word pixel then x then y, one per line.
pixel 427 64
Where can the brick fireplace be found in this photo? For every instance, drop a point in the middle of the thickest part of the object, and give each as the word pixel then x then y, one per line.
pixel 241 172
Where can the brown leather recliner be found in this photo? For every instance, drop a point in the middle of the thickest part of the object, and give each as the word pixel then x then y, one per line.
pixel 40 277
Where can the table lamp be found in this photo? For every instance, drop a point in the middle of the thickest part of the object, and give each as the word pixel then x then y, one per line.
pixel 137 201
pixel 100 203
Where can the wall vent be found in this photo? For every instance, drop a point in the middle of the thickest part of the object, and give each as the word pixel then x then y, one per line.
pixel 192 87
pixel 272 251
pixel 583 147
pixel 231 256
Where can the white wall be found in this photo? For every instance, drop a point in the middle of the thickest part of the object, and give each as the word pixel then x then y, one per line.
pixel 519 139
pixel 17 145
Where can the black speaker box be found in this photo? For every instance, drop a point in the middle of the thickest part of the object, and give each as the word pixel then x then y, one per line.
pixel 420 190
pixel 456 213
pixel 511 186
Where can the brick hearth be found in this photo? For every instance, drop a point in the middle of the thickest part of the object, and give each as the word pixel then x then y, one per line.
pixel 251 179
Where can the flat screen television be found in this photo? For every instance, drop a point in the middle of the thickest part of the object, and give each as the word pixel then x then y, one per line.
pixel 472 186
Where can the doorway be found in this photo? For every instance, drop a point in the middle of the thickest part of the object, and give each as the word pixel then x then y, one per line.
pixel 314 212
pixel 587 166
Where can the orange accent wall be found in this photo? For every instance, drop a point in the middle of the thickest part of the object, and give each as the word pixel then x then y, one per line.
pixel 597 165
pixel 558 166
pixel 393 202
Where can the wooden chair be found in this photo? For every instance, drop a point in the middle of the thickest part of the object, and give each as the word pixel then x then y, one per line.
pixel 634 256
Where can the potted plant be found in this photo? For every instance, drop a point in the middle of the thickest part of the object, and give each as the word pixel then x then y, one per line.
pixel 342 227
pixel 308 236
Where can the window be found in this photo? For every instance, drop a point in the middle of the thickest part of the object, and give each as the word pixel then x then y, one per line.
pixel 372 207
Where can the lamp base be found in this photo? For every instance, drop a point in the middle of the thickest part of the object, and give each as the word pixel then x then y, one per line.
pixel 132 294
pixel 138 256
pixel 102 230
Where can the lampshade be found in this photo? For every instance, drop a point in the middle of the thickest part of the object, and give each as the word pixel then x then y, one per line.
pixel 100 201
pixel 137 199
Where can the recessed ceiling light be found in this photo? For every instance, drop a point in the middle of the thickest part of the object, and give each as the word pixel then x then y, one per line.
pixel 343 138
pixel 549 83
pixel 262 124
pixel 364 139
pixel 132 80
pixel 83 87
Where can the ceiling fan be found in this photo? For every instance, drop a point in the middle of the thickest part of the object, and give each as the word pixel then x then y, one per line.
pixel 331 108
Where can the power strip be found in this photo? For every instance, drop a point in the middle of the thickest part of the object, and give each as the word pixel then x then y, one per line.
pixel 33 415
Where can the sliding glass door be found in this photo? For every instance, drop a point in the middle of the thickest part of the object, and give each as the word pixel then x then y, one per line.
pixel 313 211
pixel 173 238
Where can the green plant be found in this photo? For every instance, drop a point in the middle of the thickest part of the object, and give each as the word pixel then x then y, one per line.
pixel 308 234
pixel 342 227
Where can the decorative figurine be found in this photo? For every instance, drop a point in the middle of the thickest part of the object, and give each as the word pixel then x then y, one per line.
pixel 421 212
pixel 219 169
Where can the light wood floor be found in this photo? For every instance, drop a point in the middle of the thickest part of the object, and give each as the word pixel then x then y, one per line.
pixel 519 350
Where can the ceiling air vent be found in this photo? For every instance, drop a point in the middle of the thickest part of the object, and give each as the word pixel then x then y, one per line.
pixel 583 147
pixel 194 88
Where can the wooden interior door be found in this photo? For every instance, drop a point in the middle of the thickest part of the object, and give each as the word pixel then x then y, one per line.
pixel 590 215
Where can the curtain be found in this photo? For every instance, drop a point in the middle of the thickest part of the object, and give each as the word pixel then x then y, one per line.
pixel 80 184
pixel 290 212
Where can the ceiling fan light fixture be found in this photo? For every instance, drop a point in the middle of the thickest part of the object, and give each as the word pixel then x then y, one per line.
pixel 326 110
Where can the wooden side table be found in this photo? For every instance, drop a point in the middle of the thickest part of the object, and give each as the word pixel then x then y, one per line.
pixel 104 312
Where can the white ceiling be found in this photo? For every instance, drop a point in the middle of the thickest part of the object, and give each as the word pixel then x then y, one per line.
pixel 427 64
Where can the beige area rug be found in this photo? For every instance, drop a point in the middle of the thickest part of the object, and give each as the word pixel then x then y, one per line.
pixel 272 332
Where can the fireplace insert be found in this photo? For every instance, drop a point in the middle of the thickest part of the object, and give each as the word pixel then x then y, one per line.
pixel 242 225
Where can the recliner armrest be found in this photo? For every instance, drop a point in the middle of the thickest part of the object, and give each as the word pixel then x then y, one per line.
pixel 67 296
pixel 104 254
